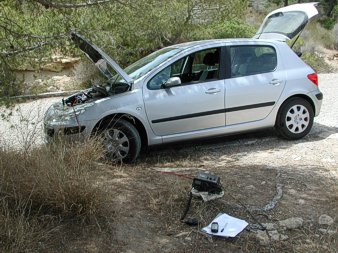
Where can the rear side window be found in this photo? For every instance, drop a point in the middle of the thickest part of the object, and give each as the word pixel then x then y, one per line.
pixel 252 60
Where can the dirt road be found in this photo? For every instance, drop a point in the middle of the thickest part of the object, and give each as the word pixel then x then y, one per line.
pixel 252 167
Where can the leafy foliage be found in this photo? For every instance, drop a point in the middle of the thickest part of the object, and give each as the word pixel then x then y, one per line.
pixel 33 31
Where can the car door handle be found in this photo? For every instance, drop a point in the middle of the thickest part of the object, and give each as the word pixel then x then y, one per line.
pixel 275 82
pixel 212 91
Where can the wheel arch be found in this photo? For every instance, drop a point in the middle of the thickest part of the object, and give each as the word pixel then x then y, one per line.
pixel 303 96
pixel 125 116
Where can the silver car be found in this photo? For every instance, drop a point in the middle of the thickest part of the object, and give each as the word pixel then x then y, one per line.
pixel 195 90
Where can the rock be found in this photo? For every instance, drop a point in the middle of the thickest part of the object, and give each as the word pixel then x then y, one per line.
pixel 53 67
pixel 270 226
pixel 250 187
pixel 327 231
pixel 283 237
pixel 292 191
pixel 58 64
pixel 291 223
pixel 324 219
pixel 262 237
pixel 274 235
pixel 301 201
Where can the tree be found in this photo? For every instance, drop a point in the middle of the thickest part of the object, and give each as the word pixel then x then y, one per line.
pixel 33 30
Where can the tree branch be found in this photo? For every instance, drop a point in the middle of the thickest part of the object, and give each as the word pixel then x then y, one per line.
pixel 49 4
pixel 33 36
pixel 15 52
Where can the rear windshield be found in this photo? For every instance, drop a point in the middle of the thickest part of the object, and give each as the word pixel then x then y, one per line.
pixel 288 23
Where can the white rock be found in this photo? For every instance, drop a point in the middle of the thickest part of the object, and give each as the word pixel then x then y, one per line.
pixel 250 187
pixel 301 201
pixel 262 237
pixel 292 191
pixel 324 219
pixel 274 235
pixel 283 237
pixel 327 231
pixel 270 226
pixel 291 223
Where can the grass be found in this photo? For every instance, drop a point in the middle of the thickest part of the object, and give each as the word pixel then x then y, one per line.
pixel 44 189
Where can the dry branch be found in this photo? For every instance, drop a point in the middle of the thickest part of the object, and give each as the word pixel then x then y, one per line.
pixel 49 4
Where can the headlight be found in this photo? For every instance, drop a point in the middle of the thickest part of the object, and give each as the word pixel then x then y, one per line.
pixel 61 114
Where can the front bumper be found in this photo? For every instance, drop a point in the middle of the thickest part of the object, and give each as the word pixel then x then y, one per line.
pixel 69 133
pixel 61 122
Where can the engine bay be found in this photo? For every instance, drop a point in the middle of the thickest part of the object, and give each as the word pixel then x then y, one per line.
pixel 96 92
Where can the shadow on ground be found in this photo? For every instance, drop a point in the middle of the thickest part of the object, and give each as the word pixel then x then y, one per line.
pixel 229 145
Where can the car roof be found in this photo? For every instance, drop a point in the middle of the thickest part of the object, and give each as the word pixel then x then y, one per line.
pixel 218 42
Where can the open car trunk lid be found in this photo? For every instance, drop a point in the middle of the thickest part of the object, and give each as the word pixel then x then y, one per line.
pixel 99 58
pixel 286 23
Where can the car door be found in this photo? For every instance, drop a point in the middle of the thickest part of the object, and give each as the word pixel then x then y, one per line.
pixel 255 82
pixel 197 103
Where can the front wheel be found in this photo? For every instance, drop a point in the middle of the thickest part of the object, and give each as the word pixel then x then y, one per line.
pixel 294 119
pixel 121 141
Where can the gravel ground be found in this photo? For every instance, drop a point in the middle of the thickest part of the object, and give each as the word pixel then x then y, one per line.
pixel 251 166
pixel 23 125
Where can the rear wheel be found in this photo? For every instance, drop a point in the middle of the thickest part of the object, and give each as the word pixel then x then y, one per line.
pixel 295 119
pixel 121 141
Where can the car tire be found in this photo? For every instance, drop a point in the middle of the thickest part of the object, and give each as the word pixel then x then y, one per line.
pixel 121 141
pixel 294 119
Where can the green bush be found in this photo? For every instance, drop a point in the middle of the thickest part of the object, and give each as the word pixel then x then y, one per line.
pixel 234 28
pixel 328 23
pixel 316 62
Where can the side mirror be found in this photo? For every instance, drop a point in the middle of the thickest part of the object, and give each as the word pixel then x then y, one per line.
pixel 172 82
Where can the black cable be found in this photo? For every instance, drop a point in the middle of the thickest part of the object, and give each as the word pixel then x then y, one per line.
pixel 187 207
pixel 262 227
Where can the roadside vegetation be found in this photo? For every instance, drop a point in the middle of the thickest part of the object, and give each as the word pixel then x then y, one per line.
pixel 44 189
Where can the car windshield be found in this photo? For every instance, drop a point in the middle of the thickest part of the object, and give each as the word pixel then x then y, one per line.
pixel 148 63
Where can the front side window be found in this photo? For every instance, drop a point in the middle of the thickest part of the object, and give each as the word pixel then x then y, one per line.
pixel 198 67
pixel 251 60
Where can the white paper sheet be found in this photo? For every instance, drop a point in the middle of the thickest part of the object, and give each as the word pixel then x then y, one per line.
pixel 228 226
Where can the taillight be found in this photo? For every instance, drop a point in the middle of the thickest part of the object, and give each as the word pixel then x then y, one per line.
pixel 313 78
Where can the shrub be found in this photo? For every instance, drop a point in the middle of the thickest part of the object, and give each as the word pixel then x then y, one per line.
pixel 335 36
pixel 328 23
pixel 316 62
pixel 45 187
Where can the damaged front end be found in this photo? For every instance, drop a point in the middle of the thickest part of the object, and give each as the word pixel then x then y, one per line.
pixel 63 119
pixel 75 116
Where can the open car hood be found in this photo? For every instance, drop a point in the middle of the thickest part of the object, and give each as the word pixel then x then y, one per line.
pixel 99 58
pixel 286 23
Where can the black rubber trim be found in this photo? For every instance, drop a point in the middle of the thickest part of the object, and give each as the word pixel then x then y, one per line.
pixel 319 96
pixel 200 114
pixel 73 130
